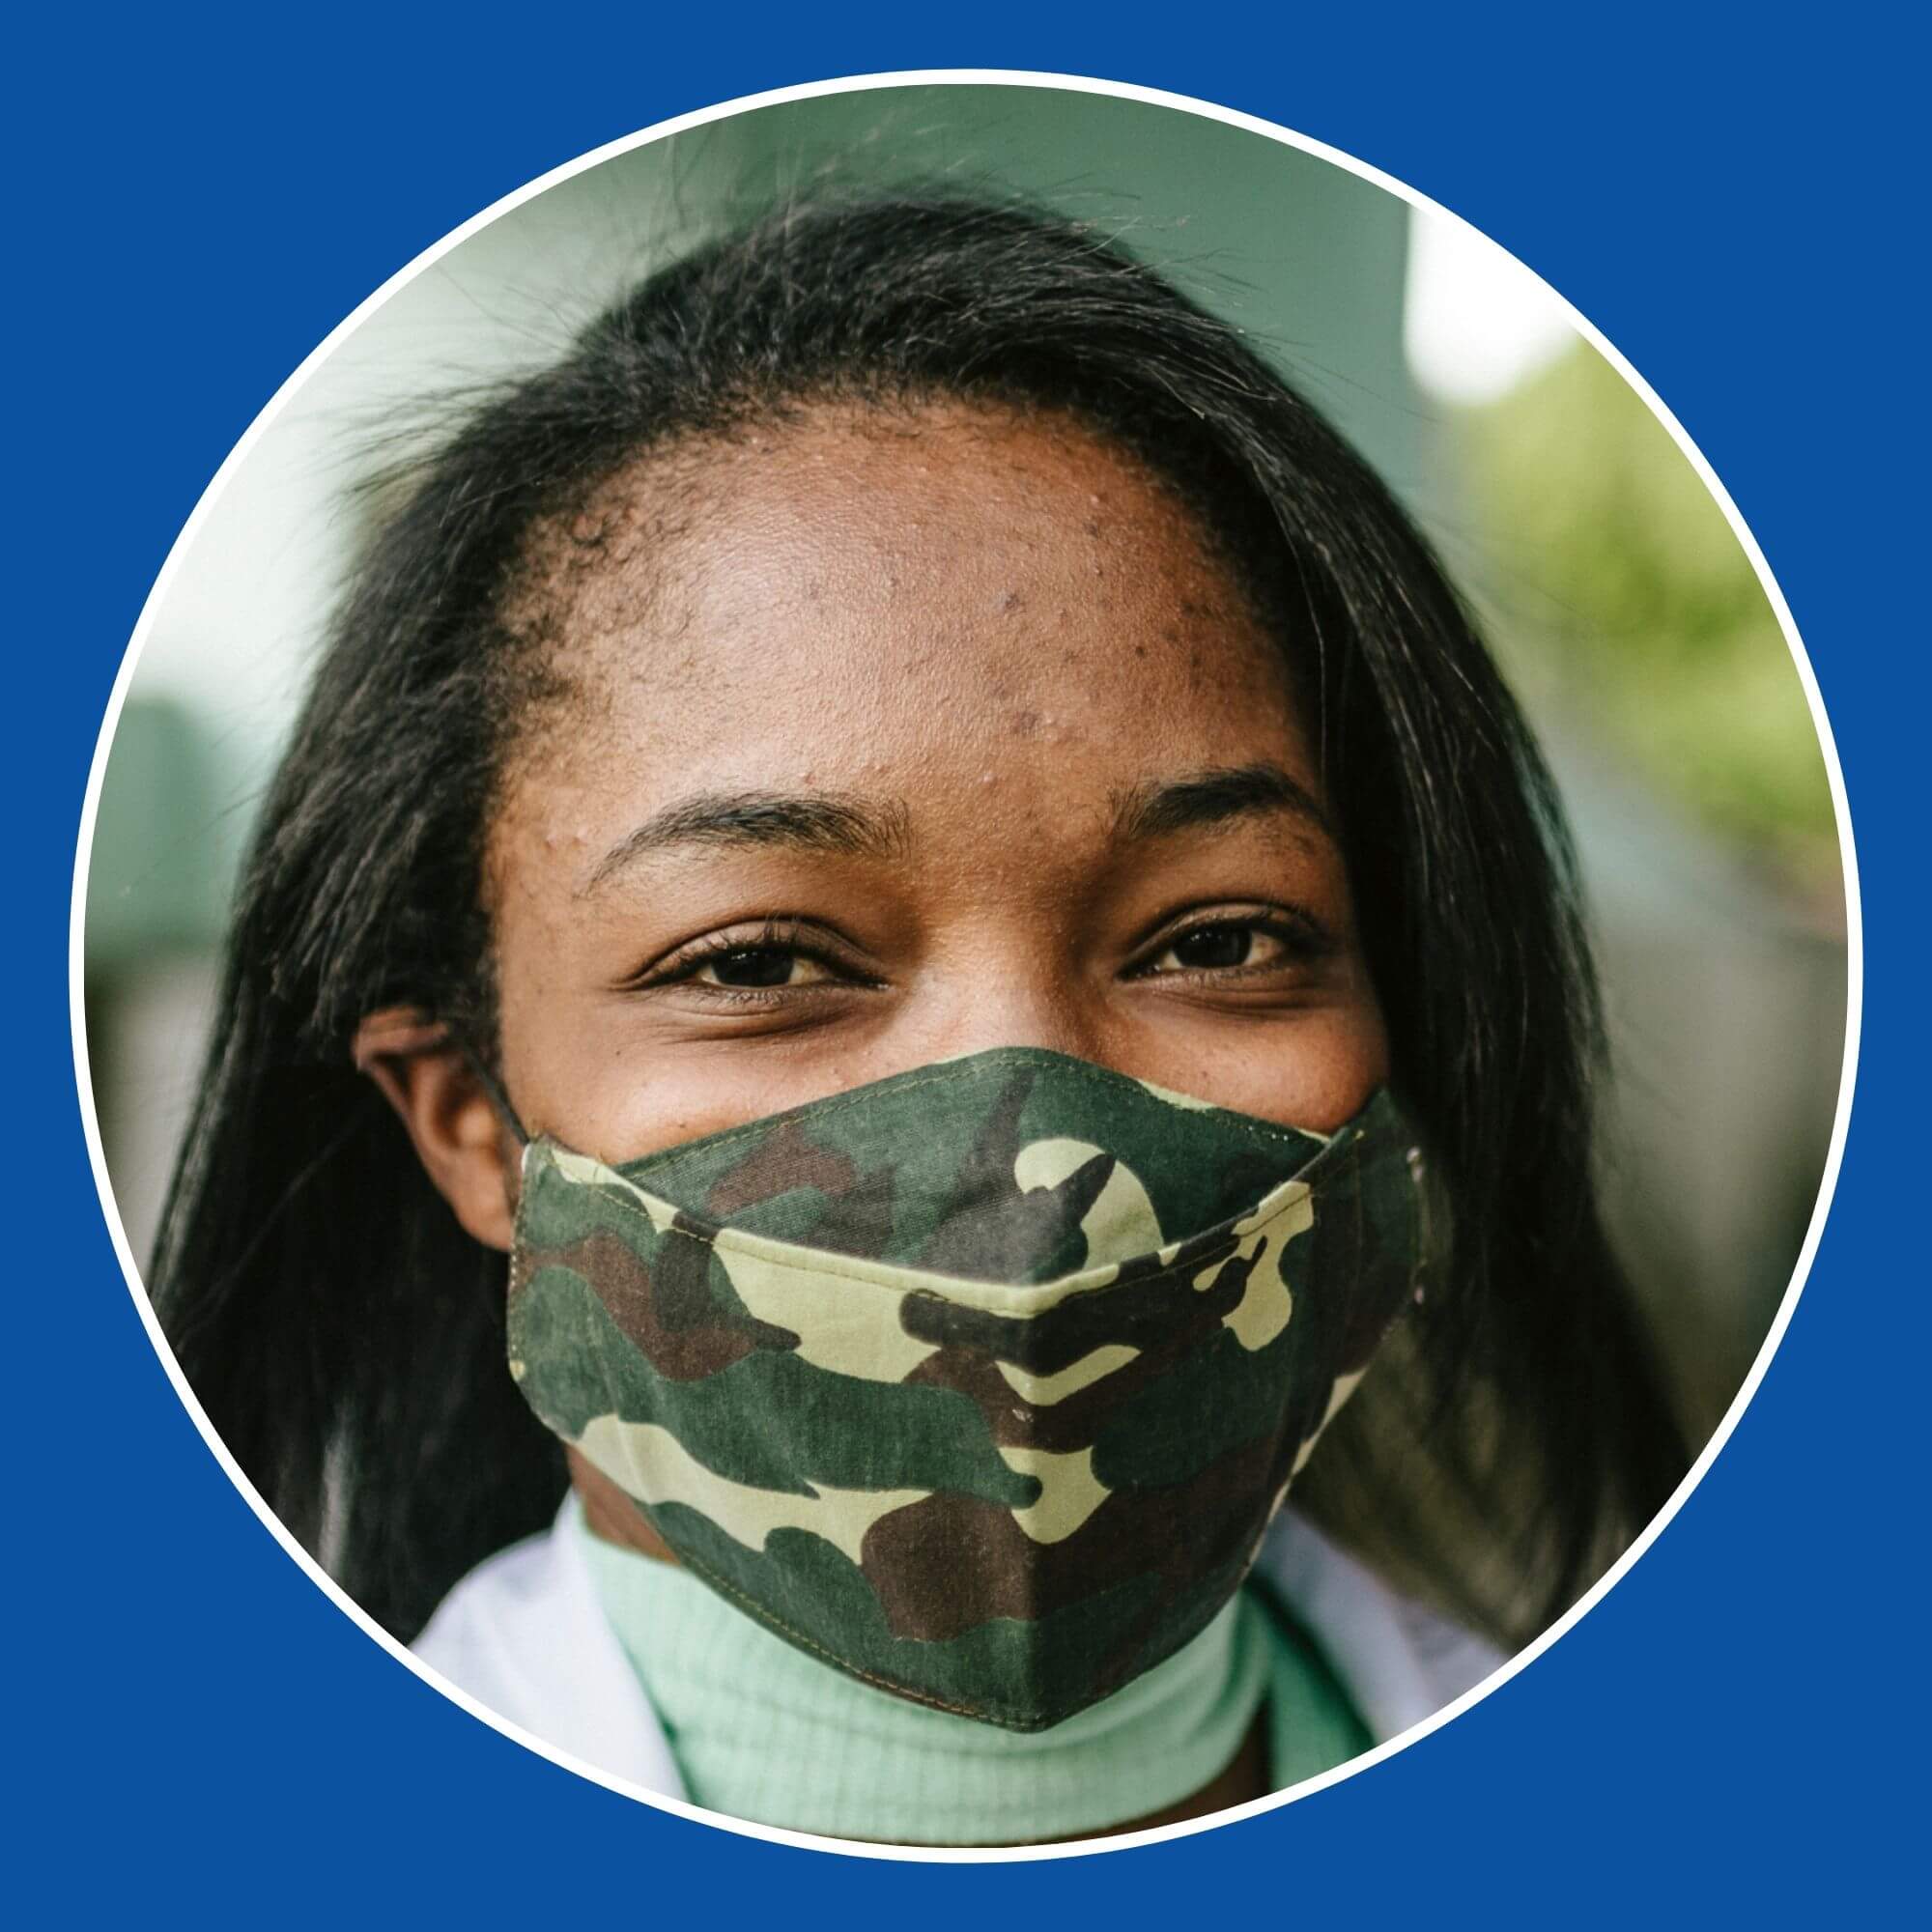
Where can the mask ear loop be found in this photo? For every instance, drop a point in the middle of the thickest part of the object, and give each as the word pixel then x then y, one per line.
pixel 487 1080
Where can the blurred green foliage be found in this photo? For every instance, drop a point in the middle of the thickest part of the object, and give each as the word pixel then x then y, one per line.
pixel 1620 597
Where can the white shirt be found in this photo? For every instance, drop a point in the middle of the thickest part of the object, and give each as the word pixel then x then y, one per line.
pixel 525 1637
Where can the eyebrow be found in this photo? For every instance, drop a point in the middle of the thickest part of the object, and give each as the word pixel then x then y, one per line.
pixel 881 828
pixel 804 821
pixel 1218 796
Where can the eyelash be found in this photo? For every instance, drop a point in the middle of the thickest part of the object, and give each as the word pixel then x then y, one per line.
pixel 776 935
pixel 1304 939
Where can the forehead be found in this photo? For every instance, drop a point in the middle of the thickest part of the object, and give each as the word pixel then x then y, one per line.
pixel 909 600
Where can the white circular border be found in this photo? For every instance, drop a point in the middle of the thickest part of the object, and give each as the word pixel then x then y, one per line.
pixel 963 1855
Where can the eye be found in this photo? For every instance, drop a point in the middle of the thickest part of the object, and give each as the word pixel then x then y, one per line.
pixel 759 966
pixel 1211 947
pixel 761 962
pixel 1258 944
pixel 1220 947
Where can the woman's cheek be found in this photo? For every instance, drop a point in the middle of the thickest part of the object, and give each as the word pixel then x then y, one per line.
pixel 1311 1071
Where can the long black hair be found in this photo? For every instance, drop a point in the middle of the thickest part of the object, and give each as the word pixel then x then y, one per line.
pixel 344 1334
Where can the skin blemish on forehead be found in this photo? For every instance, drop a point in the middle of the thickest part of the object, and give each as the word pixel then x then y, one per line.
pixel 660 550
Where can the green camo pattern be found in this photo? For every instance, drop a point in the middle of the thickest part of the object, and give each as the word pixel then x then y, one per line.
pixel 980 1382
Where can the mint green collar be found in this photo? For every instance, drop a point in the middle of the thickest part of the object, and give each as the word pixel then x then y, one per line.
pixel 760 1731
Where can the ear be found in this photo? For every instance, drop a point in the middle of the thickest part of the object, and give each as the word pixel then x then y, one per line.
pixel 462 1144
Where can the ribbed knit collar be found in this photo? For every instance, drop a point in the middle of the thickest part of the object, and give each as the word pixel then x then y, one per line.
pixel 760 1731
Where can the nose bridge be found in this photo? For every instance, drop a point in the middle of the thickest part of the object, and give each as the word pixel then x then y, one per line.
pixel 1008 961
pixel 1017 1003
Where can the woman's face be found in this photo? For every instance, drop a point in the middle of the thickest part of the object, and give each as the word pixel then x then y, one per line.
pixel 886 738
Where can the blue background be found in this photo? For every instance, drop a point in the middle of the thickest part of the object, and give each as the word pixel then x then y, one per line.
pixel 196 1728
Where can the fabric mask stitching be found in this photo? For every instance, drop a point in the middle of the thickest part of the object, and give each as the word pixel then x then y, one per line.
pixel 772 1620
pixel 985 1291
pixel 1343 1146
pixel 761 1614
pixel 840 1102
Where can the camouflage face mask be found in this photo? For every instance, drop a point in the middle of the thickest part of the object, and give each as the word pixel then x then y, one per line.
pixel 982 1383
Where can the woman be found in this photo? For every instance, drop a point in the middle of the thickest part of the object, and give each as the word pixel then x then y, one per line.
pixel 920 845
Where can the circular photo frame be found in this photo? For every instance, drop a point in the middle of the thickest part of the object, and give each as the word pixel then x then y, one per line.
pixel 898 426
